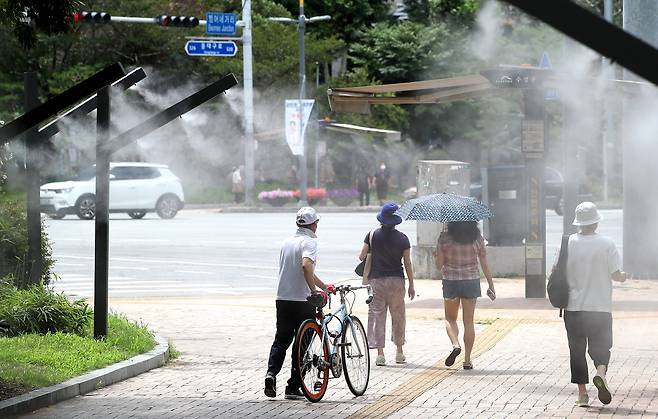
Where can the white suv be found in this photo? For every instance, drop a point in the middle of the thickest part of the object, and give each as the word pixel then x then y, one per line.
pixel 135 188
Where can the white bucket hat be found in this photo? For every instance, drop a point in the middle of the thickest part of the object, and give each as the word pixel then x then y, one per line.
pixel 307 216
pixel 586 214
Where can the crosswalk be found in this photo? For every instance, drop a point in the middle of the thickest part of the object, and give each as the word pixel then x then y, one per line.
pixel 83 286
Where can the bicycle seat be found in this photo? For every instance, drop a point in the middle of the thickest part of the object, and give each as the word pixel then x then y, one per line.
pixel 318 299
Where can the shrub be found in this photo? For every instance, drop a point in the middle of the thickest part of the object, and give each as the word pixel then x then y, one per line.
pixel 14 247
pixel 39 310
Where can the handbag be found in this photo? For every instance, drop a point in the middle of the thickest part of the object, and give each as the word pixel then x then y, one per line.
pixel 558 287
pixel 363 268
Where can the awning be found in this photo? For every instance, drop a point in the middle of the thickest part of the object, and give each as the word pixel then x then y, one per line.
pixel 359 99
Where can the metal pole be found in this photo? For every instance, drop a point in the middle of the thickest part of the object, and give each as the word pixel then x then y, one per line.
pixel 607 137
pixel 102 240
pixel 533 137
pixel 303 201
pixel 32 184
pixel 317 137
pixel 248 104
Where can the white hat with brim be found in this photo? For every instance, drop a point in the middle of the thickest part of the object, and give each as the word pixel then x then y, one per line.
pixel 587 214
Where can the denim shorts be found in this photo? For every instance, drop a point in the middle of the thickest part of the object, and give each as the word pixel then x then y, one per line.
pixel 463 288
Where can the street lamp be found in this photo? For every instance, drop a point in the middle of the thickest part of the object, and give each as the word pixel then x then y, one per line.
pixel 301 22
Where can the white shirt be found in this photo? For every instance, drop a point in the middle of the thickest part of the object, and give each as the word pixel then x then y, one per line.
pixel 292 284
pixel 590 262
pixel 237 178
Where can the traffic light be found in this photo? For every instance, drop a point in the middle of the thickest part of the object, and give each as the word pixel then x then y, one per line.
pixel 177 21
pixel 92 17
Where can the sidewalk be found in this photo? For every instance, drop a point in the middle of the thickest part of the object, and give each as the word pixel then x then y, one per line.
pixel 521 368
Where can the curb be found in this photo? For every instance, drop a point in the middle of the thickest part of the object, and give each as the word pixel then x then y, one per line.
pixel 86 383
pixel 270 209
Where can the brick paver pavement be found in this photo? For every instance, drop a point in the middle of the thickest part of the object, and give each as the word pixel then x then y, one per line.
pixel 522 372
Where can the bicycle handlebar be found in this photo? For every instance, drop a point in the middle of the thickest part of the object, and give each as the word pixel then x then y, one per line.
pixel 347 288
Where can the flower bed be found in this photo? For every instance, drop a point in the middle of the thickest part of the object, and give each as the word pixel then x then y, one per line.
pixel 314 195
pixel 276 198
pixel 343 197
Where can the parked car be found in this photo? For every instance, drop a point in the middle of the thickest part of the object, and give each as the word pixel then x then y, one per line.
pixel 553 188
pixel 135 188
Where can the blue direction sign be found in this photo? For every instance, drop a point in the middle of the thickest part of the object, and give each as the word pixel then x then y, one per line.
pixel 221 23
pixel 211 48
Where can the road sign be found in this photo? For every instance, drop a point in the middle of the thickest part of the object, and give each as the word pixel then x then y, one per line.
pixel 211 48
pixel 545 63
pixel 221 23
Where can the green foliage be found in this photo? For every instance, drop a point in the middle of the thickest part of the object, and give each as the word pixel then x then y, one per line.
pixel 39 310
pixel 48 17
pixel 399 52
pixel 14 246
pixel 40 360
pixel 459 12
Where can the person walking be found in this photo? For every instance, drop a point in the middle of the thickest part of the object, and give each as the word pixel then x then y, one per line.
pixel 237 185
pixel 389 248
pixel 457 253
pixel 297 280
pixel 381 182
pixel 593 262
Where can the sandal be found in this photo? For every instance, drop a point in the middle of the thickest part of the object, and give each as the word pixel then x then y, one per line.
pixel 468 365
pixel 456 350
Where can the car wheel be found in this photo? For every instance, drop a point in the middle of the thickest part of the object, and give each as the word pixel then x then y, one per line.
pixel 137 214
pixel 58 215
pixel 167 206
pixel 85 208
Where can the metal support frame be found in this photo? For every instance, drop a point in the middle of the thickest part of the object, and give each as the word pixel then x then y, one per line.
pixel 102 217
pixel 90 104
pixel 32 184
pixel 590 29
pixel 61 102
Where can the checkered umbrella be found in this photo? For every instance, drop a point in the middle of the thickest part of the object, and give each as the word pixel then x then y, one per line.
pixel 444 207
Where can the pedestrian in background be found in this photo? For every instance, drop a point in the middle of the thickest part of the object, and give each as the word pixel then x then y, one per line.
pixel 237 185
pixel 363 184
pixel 297 280
pixel 389 248
pixel 593 262
pixel 457 253
pixel 382 178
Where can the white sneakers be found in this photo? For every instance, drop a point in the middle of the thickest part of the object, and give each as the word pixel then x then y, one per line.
pixel 399 359
pixel 583 400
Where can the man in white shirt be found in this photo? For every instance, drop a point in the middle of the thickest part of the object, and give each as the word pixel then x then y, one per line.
pixel 297 281
pixel 592 262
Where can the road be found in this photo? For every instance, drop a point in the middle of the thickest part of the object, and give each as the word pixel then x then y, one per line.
pixel 206 253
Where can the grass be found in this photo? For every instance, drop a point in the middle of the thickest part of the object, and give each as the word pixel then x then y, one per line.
pixel 42 360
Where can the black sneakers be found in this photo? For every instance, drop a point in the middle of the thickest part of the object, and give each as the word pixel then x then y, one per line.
pixel 293 393
pixel 270 385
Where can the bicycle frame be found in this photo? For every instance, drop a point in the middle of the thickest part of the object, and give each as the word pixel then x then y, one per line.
pixel 341 313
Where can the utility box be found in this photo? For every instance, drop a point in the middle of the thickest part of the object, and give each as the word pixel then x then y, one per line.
pixel 436 176
pixel 507 200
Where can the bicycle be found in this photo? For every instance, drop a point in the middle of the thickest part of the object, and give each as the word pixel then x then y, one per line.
pixel 318 347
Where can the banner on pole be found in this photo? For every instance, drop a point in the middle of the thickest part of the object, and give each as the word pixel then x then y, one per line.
pixel 296 122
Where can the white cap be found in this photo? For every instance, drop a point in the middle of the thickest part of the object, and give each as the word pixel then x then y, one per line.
pixel 586 214
pixel 307 216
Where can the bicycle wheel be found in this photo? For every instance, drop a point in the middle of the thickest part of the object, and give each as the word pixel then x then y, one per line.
pixel 356 357
pixel 313 360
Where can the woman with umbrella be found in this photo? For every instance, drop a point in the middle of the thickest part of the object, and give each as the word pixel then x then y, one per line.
pixel 458 251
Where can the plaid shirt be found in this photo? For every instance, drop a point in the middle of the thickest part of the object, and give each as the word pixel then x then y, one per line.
pixel 461 260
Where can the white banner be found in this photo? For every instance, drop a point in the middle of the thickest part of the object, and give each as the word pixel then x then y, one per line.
pixel 296 123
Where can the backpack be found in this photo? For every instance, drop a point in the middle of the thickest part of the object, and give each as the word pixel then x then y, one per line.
pixel 558 288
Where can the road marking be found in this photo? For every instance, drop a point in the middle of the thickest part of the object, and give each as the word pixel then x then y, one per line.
pixel 409 391
pixel 69 264
pixel 169 261
pixel 260 276
pixel 195 272
pixel 171 285
pixel 132 268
